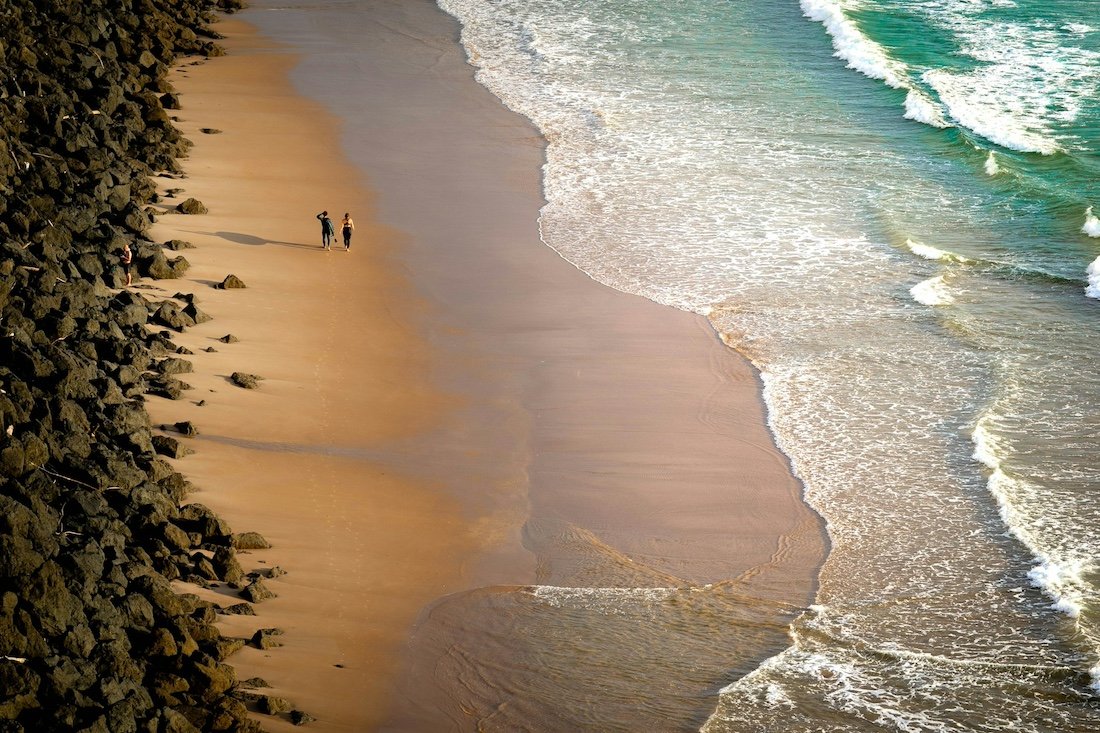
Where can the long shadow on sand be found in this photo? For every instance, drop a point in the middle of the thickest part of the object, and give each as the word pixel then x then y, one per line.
pixel 249 239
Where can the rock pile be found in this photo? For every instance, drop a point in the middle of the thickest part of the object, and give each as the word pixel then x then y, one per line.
pixel 92 635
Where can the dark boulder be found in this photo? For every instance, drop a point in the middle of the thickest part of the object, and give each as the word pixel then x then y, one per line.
pixel 247 381
pixel 191 206
pixel 257 592
pixel 168 446
pixel 250 541
pixel 274 705
pixel 171 315
pixel 230 282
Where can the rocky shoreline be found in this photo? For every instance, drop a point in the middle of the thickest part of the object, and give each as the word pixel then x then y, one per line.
pixel 93 636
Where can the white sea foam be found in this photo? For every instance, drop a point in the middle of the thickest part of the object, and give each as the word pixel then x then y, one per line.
pixel 1063 582
pixel 929 252
pixel 684 236
pixel 1092 224
pixel 1058 573
pixel 1059 577
pixel 1092 290
pixel 861 53
pixel 776 697
pixel 933 291
pixel 926 251
pixel 920 108
pixel 605 600
pixel 871 59
pixel 992 168
pixel 1031 77
pixel 967 97
pixel 987 449
pixel 1079 29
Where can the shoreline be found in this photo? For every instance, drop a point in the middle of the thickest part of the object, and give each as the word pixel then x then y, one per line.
pixel 506 423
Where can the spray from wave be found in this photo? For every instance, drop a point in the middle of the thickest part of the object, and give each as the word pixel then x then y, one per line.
pixel 992 168
pixel 928 252
pixel 932 291
pixel 1092 290
pixel 1092 224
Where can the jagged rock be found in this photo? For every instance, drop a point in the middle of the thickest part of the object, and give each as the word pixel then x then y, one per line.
pixel 227 566
pixel 168 446
pixel 176 722
pixel 152 262
pixel 299 717
pixel 169 314
pixel 266 638
pixel 247 381
pixel 229 339
pixel 254 683
pixel 174 366
pixel 210 131
pixel 202 567
pixel 199 518
pixel 274 705
pixel 89 521
pixel 176 539
pixel 170 101
pixel 231 281
pixel 177 244
pixel 186 428
pixel 250 541
pixel 238 609
pixel 257 591
pixel 226 647
pixel 216 678
pixel 196 315
pixel 191 206
pixel 170 387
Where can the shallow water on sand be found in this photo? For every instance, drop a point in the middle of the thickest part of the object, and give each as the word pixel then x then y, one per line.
pixel 903 247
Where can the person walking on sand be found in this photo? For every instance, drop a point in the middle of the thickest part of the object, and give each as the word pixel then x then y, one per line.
pixel 126 258
pixel 347 226
pixel 328 231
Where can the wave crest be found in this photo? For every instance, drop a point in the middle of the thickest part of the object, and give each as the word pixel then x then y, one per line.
pixel 1092 224
pixel 1093 272
pixel 861 53
pixel 992 168
pixel 933 291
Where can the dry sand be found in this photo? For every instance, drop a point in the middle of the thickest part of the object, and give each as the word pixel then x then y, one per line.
pixel 449 406
pixel 343 371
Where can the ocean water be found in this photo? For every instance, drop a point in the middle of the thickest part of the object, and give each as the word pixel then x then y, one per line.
pixel 890 207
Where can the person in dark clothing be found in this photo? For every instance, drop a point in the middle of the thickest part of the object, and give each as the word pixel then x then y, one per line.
pixel 347 226
pixel 328 230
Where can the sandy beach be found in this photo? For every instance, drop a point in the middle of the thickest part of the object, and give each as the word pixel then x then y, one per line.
pixel 455 425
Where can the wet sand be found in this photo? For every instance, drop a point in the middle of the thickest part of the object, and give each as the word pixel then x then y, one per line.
pixel 491 479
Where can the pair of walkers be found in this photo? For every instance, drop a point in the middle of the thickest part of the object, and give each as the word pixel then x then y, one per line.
pixel 328 230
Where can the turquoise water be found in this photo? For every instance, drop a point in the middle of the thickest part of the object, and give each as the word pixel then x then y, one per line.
pixel 886 205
